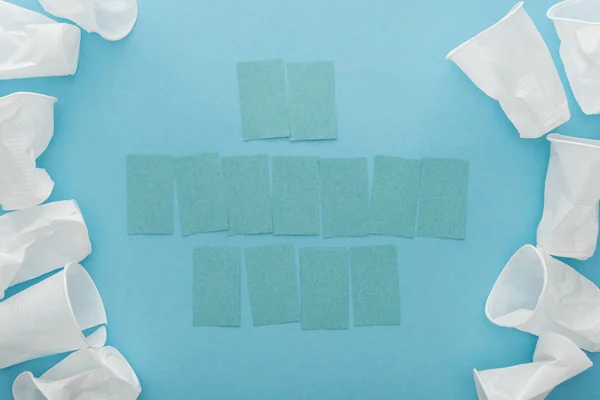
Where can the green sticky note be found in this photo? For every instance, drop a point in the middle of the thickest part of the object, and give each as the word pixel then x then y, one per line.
pixel 443 203
pixel 324 288
pixel 395 196
pixel 216 286
pixel 375 287
pixel 149 194
pixel 247 194
pixel 344 197
pixel 311 94
pixel 272 284
pixel 296 195
pixel 263 99
pixel 200 194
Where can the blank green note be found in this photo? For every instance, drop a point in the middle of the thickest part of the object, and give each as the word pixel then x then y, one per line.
pixel 311 94
pixel 395 196
pixel 247 194
pixel 149 194
pixel 443 203
pixel 216 286
pixel 344 197
pixel 263 99
pixel 272 284
pixel 375 288
pixel 324 288
pixel 296 195
pixel 200 194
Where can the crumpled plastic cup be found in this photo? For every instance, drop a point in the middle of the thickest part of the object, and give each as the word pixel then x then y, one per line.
pixel 555 360
pixel 569 225
pixel 510 62
pixel 577 23
pixel 39 240
pixel 538 294
pixel 92 374
pixel 111 19
pixel 50 317
pixel 26 127
pixel 34 45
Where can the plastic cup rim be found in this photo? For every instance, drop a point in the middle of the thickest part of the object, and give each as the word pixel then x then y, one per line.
pixel 457 49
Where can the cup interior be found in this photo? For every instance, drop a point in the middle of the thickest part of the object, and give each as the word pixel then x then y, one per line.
pixel 517 292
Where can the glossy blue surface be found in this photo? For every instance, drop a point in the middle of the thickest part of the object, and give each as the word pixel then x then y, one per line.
pixel 171 87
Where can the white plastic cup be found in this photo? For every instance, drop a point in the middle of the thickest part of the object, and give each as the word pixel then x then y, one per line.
pixel 41 239
pixel 569 224
pixel 555 360
pixel 538 294
pixel 577 24
pixel 510 62
pixel 111 19
pixel 86 374
pixel 50 317
pixel 34 45
pixel 26 127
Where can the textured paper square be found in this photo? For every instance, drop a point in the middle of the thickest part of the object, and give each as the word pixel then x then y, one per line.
pixel 247 194
pixel 395 196
pixel 263 99
pixel 344 197
pixel 375 287
pixel 443 203
pixel 311 94
pixel 296 195
pixel 272 284
pixel 216 286
pixel 324 288
pixel 200 194
pixel 149 195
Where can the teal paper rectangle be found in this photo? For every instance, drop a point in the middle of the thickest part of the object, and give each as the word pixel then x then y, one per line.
pixel 344 197
pixel 200 193
pixel 395 196
pixel 263 99
pixel 247 194
pixel 149 195
pixel 311 94
pixel 375 287
pixel 324 288
pixel 216 286
pixel 295 195
pixel 443 203
pixel 272 284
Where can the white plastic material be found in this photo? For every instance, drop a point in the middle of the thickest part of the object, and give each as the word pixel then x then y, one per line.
pixel 538 294
pixel 88 374
pixel 511 63
pixel 112 19
pixel 26 127
pixel 577 23
pixel 555 360
pixel 34 45
pixel 39 240
pixel 569 225
pixel 49 317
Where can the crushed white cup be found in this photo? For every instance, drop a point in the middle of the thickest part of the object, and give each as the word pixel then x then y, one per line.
pixel 34 45
pixel 26 127
pixel 510 62
pixel 86 374
pixel 111 19
pixel 50 317
pixel 556 359
pixel 39 240
pixel 569 224
pixel 577 24
pixel 538 294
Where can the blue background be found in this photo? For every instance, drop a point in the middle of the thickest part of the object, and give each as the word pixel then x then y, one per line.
pixel 171 87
